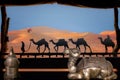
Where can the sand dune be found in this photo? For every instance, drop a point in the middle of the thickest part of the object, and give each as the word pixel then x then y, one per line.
pixel 48 33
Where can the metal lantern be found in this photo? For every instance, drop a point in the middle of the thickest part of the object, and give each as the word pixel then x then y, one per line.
pixel 11 66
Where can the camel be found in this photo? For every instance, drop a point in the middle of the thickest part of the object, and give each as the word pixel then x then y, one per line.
pixel 107 43
pixel 40 43
pixel 88 68
pixel 79 42
pixel 61 42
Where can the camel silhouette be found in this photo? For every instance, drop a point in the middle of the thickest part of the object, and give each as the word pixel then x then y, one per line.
pixel 81 41
pixel 40 43
pixel 61 42
pixel 107 42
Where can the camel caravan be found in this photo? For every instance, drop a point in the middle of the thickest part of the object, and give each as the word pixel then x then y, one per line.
pixel 107 42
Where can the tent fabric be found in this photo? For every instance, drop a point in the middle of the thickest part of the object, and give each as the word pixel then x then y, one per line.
pixel 79 3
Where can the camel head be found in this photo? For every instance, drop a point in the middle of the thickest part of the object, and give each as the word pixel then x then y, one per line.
pixel 99 37
pixel 70 39
pixel 31 39
pixel 74 52
pixel 102 41
pixel 43 39
pixel 50 40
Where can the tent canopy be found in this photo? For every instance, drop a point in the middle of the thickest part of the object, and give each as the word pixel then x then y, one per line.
pixel 79 3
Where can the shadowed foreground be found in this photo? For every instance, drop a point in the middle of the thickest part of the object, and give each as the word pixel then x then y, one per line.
pixel 29 65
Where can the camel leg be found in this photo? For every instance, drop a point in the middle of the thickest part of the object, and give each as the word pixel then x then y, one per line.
pixel 57 51
pixel 89 49
pixel 38 49
pixel 111 77
pixel 67 46
pixel 78 47
pixel 48 49
pixel 85 49
pixel 44 49
pixel 47 46
pixel 72 76
pixel 55 48
pixel 64 48
pixel 105 49
pixel 75 76
pixel 87 76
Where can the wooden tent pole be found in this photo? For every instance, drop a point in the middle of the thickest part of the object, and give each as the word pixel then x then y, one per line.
pixel 4 29
pixel 117 30
pixel 4 37
pixel 3 24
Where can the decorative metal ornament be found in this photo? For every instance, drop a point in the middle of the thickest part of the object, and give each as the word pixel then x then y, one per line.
pixel 11 66
pixel 89 67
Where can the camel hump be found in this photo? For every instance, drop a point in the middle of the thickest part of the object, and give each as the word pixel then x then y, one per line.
pixel 81 40
pixel 43 39
pixel 61 40
pixel 96 62
pixel 108 40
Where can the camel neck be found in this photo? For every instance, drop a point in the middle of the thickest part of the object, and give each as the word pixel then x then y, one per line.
pixel 101 40
pixel 33 42
pixel 53 42
pixel 73 41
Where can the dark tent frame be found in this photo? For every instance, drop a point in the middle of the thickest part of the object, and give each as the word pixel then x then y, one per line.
pixel 79 3
pixel 100 4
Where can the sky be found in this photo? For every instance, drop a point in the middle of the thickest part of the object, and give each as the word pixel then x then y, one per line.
pixel 70 18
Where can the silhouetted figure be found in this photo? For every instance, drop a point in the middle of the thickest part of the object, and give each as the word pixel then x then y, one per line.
pixel 81 41
pixel 22 46
pixel 107 42
pixel 60 42
pixel 40 43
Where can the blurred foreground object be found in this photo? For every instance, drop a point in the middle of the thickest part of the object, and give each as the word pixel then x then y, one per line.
pixel 11 66
pixel 88 67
